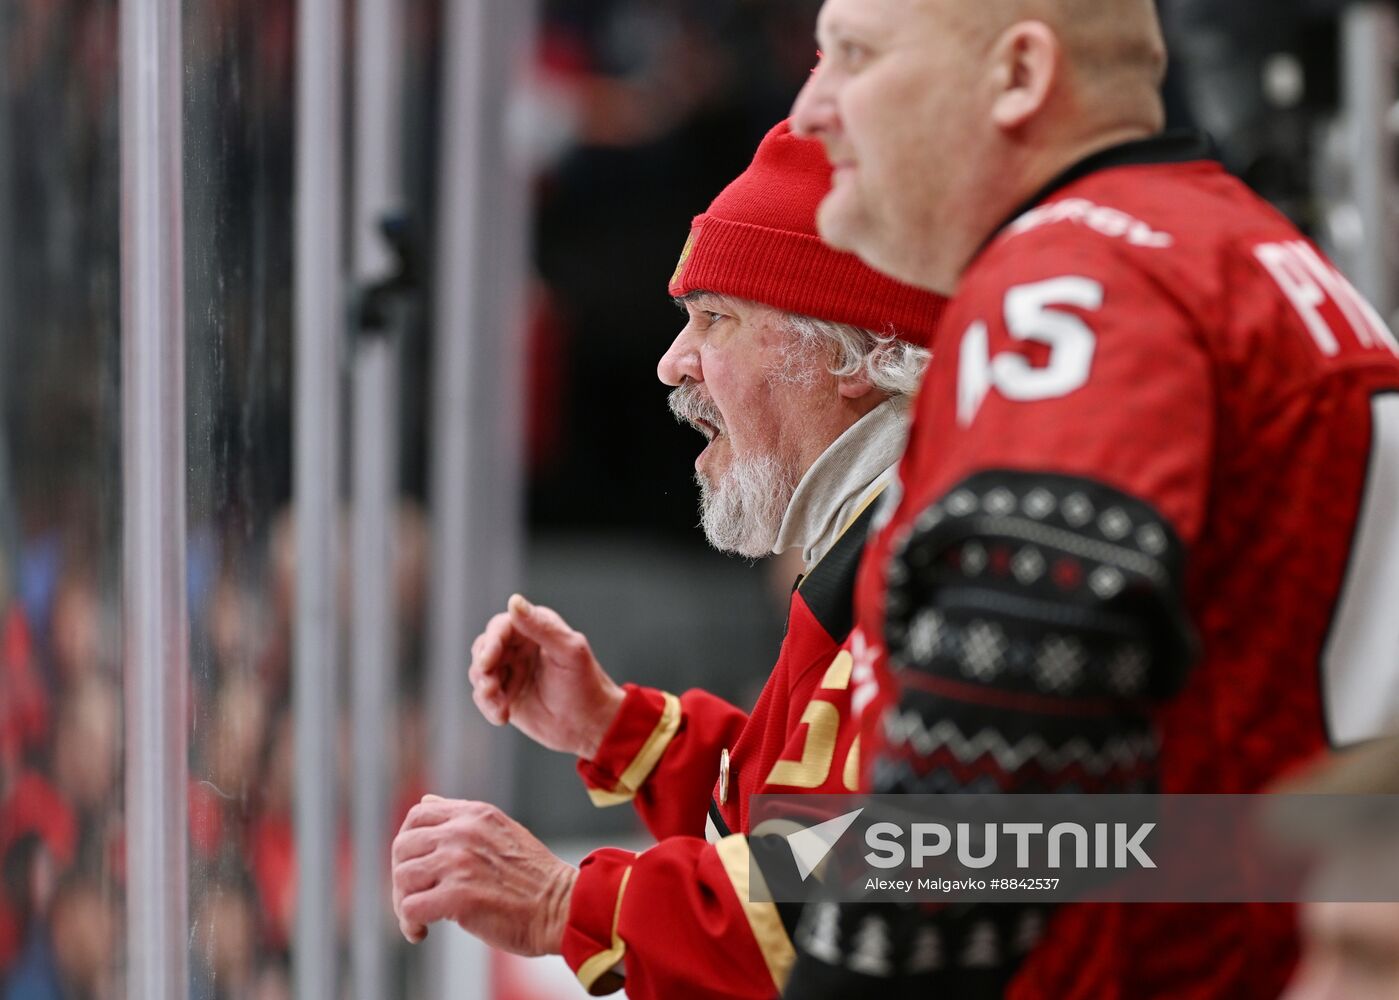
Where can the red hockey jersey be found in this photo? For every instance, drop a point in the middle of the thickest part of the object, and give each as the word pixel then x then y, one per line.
pixel 680 913
pixel 1147 527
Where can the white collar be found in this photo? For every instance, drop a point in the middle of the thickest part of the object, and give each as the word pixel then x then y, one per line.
pixel 853 468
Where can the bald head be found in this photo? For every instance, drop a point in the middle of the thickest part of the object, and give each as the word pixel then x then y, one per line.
pixel 941 116
pixel 1113 54
pixel 1091 22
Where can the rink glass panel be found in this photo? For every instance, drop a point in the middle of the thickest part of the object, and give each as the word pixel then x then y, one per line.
pixel 61 828
pixel 240 143
pixel 239 98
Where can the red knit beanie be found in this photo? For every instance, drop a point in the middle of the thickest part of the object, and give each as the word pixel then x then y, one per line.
pixel 758 241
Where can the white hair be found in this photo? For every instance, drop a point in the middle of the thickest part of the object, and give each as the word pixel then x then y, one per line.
pixel 742 511
pixel 893 366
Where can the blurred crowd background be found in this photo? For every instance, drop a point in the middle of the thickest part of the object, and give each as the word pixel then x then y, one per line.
pixel 635 114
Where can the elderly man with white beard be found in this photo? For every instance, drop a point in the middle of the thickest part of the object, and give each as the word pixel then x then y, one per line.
pixel 798 364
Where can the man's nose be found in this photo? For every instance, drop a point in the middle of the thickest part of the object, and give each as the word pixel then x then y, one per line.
pixel 681 360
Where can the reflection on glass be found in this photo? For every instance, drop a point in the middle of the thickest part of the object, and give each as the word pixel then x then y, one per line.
pixel 239 169
pixel 238 197
pixel 598 320
pixel 61 898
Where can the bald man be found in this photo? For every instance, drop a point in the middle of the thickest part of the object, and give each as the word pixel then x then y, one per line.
pixel 1145 539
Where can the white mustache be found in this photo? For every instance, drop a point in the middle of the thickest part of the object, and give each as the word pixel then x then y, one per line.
pixel 690 404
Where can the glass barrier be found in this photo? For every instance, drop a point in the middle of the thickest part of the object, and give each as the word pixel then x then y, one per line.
pixel 610 526
pixel 61 827
pixel 239 100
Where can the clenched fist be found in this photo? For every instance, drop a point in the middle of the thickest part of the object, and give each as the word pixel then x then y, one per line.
pixel 470 863
pixel 529 668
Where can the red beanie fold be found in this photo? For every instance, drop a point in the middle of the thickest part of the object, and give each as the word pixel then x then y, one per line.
pixel 758 241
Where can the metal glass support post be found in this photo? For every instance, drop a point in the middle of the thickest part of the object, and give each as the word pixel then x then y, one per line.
pixel 477 408
pixel 1370 52
pixel 378 95
pixel 8 154
pixel 155 618
pixel 458 293
pixel 372 636
pixel 9 533
pixel 320 318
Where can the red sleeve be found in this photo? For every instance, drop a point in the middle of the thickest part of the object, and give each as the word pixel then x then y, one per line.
pixel 677 923
pixel 661 753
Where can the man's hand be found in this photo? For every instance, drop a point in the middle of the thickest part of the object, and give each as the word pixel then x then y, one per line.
pixel 469 862
pixel 530 668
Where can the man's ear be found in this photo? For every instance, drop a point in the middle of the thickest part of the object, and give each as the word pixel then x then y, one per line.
pixel 856 386
pixel 1026 61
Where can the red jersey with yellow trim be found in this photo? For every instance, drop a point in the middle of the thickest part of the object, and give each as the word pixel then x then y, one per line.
pixel 679 913
pixel 1150 330
pixel 800 737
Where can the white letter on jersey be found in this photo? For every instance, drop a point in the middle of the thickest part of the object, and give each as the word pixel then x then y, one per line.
pixel 973 372
pixel 1031 315
pixel 1308 282
pixel 1364 321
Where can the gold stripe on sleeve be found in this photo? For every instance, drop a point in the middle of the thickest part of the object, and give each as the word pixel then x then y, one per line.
pixel 604 961
pixel 763 919
pixel 646 758
pixel 602 799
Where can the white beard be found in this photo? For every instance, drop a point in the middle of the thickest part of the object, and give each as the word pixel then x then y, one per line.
pixel 743 512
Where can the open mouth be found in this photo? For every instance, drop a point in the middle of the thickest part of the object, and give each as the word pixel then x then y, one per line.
pixel 691 406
